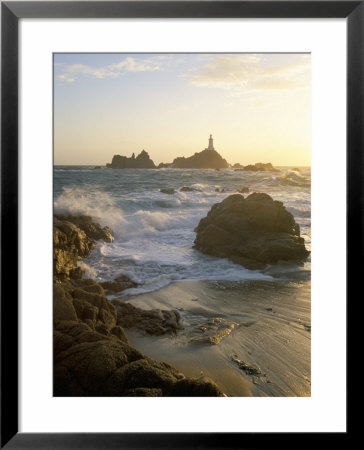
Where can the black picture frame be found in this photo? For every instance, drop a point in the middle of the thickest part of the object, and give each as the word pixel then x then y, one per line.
pixel 11 13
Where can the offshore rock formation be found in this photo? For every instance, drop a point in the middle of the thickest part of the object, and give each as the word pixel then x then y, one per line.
pixel 142 161
pixel 207 159
pixel 253 232
pixel 260 167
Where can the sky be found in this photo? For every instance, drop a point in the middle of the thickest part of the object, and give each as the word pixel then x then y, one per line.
pixel 256 106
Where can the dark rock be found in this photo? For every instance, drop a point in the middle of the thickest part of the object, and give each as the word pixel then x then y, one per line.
pixel 195 387
pixel 238 166
pixel 142 161
pixel 74 238
pixel 93 230
pixel 207 159
pixel 70 244
pixel 168 191
pixel 119 284
pixel 153 321
pixel 165 165
pixel 62 305
pixel 252 232
pixel 101 361
pixel 189 189
pixel 143 392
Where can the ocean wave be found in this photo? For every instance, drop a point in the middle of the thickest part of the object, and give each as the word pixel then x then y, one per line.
pixel 104 209
pixel 292 178
pixel 90 201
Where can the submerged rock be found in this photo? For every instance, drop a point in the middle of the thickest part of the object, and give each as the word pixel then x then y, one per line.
pixel 211 331
pixel 153 321
pixel 168 191
pixel 189 189
pixel 93 357
pixel 253 232
pixel 247 368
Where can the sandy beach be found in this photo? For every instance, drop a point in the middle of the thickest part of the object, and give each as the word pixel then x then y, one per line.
pixel 273 334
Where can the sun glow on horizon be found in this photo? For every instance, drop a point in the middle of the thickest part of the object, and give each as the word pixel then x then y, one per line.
pixel 256 106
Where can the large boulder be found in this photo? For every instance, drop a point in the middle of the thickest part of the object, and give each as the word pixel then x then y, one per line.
pixel 253 231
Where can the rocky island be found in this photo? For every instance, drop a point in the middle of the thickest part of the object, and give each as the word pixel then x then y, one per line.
pixel 142 161
pixel 207 159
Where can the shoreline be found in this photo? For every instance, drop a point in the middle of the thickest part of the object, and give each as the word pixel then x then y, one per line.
pixel 274 315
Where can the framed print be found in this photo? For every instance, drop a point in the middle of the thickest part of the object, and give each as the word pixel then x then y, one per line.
pixel 186 199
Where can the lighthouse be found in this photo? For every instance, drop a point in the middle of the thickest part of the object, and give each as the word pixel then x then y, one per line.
pixel 211 143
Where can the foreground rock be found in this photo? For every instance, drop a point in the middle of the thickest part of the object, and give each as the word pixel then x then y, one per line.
pixel 93 357
pixel 154 321
pixel 142 161
pixel 73 239
pixel 93 230
pixel 253 232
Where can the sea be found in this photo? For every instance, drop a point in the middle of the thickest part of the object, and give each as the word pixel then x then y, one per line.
pixel 154 232
pixel 153 244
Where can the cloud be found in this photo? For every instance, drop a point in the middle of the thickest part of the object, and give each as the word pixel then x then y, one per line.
pixel 71 72
pixel 252 73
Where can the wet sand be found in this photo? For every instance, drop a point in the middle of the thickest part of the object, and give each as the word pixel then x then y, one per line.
pixel 273 335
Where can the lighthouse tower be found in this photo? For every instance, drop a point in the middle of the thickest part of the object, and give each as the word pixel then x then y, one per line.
pixel 211 143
